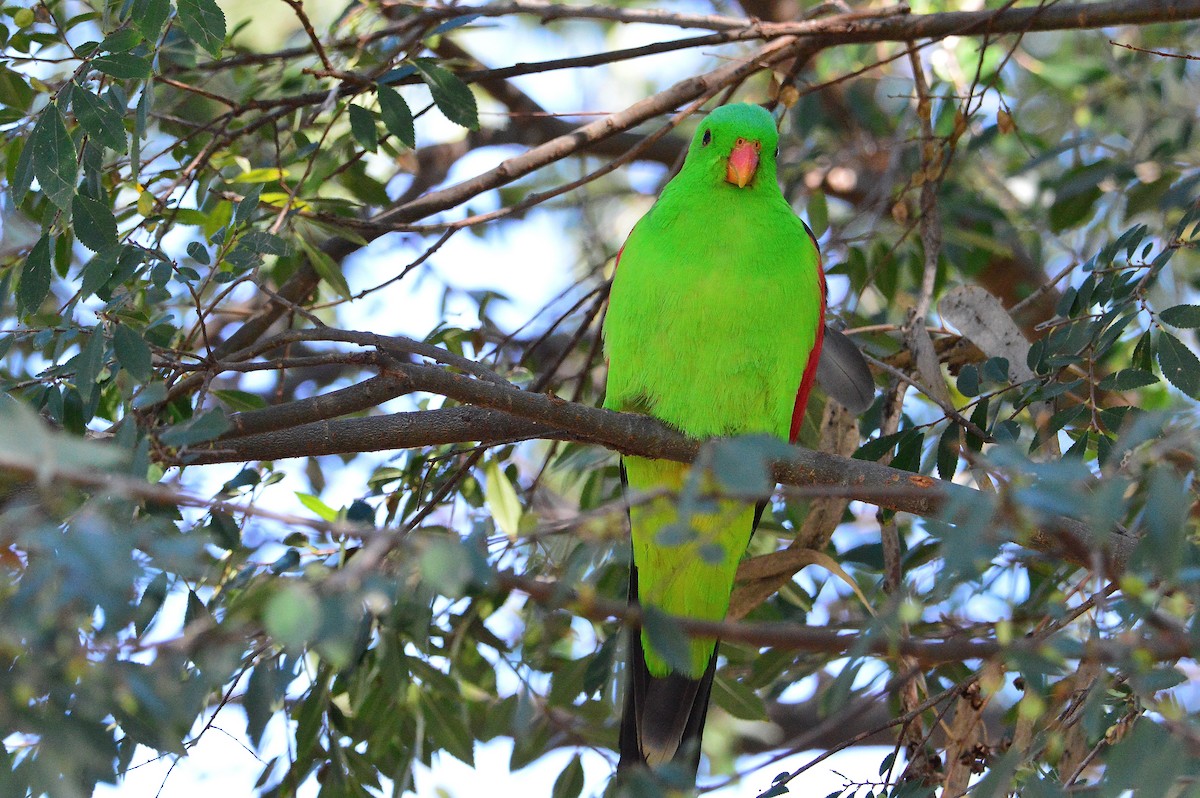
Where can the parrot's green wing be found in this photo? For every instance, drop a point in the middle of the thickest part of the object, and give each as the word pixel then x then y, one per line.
pixel 714 326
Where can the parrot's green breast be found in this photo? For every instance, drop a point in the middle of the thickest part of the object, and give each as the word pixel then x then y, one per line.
pixel 713 315
pixel 712 318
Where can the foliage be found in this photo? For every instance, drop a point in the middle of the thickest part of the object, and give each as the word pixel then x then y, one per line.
pixel 195 232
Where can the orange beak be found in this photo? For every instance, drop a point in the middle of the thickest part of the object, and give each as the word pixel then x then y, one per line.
pixel 743 162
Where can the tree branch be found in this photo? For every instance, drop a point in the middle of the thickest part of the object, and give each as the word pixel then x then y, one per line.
pixel 504 412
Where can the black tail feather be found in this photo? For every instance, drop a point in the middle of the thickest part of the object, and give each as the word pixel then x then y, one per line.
pixel 663 714
pixel 664 717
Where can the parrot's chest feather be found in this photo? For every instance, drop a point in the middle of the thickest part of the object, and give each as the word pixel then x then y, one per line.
pixel 718 312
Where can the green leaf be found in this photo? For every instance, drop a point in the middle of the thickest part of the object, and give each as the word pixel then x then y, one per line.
pixel 996 369
pixel 1165 519
pixel 600 666
pixel 359 512
pixel 121 40
pixel 288 561
pixel 876 447
pixel 198 253
pixel 947 451
pixel 397 117
pixel 267 174
pixel 99 119
pixel 318 507
pixel 1069 211
pixel 123 66
pixel 95 225
pixel 779 787
pixel 224 531
pixel 1079 447
pixel 132 353
pixel 502 499
pixel 22 174
pixel 199 429
pixel 968 380
pixel 293 615
pixel 1184 316
pixel 98 271
pixel 1127 380
pixel 712 553
pixel 15 93
pixel 88 364
pixel 675 534
pixel 150 395
pixel 1179 364
pixel 247 478
pixel 148 16
pixel 248 204
pixel 569 783
pixel 452 97
pixel 325 266
pixel 454 24
pixel 152 600
pixel 974 442
pixel 742 465
pixel 1148 759
pixel 204 23
pixel 240 400
pixel 362 125
pixel 259 701
pixel 53 157
pixel 265 243
pixel 738 699
pixel 447 725
pixel 445 568
pixel 35 277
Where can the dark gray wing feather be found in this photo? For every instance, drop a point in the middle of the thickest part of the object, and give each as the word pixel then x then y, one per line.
pixel 843 373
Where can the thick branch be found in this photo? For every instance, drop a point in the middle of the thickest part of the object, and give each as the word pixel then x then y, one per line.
pixel 524 414
pixel 879 641
pixel 863 27
pixel 375 434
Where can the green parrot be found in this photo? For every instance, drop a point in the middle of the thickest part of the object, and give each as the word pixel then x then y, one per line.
pixel 715 325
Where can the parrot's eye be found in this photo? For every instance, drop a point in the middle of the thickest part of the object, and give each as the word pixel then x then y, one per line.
pixel 776 151
pixel 704 142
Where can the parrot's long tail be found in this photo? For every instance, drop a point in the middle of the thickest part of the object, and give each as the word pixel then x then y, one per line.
pixel 664 717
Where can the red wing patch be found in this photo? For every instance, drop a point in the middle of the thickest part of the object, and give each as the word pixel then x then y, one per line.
pixel 810 368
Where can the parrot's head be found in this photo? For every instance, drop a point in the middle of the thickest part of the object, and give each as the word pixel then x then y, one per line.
pixel 736 144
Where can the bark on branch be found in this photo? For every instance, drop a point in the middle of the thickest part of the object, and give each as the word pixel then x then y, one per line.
pixel 500 412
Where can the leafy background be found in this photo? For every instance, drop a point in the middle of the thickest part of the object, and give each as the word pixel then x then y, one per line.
pixel 301 355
